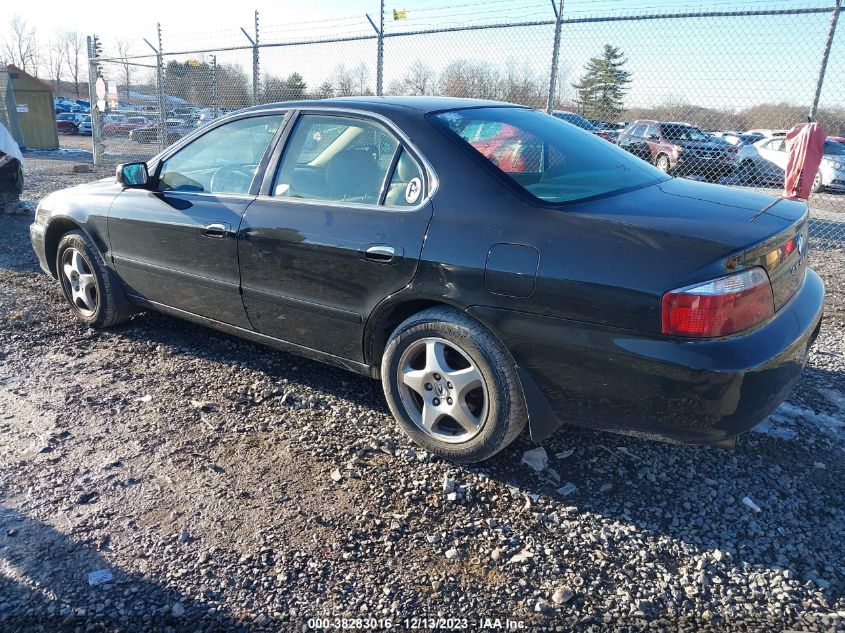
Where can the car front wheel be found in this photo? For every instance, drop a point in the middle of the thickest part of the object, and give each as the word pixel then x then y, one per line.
pixel 89 287
pixel 452 386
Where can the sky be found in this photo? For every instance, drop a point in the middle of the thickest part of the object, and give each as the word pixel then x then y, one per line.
pixel 723 62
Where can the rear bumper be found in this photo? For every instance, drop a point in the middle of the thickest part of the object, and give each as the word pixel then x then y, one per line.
pixel 681 390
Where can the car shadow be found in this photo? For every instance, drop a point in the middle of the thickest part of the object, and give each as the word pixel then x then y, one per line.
pixel 689 498
pixel 44 585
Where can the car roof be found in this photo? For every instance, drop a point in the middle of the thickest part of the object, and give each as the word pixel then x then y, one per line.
pixel 421 104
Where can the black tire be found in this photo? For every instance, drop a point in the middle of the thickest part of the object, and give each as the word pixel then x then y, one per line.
pixel 110 305
pixel 506 412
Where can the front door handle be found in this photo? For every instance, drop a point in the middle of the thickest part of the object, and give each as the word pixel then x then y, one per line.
pixel 382 253
pixel 217 229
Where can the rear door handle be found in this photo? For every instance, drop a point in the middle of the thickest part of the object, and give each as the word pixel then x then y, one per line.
pixel 382 253
pixel 217 229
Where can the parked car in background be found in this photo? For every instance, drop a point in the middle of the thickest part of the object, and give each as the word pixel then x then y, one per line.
pixel 62 106
pixel 584 124
pixel 587 286
pixel 764 163
pixel 836 139
pixel 123 126
pixel 677 147
pixel 738 139
pixel 85 125
pixel 767 132
pixel 68 122
pixel 176 129
pixel 609 128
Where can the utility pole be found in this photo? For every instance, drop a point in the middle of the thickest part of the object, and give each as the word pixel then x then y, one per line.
pixel 831 31
pixel 558 9
pixel 379 47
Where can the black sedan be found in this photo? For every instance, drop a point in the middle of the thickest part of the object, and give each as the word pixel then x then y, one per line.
pixel 492 265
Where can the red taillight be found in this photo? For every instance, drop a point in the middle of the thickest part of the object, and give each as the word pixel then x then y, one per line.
pixel 720 307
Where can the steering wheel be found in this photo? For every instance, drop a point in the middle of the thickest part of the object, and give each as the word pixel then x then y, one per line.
pixel 231 179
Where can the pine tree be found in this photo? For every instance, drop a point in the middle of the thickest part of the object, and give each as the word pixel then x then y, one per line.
pixel 603 86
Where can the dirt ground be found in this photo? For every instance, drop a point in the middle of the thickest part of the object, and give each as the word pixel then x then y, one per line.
pixel 220 485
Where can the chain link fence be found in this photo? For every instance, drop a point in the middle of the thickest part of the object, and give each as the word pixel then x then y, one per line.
pixel 706 95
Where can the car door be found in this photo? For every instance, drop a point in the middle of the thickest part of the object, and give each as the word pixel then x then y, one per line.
pixel 772 163
pixel 175 243
pixel 339 226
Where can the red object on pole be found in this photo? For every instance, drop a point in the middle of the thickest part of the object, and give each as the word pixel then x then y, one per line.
pixel 805 148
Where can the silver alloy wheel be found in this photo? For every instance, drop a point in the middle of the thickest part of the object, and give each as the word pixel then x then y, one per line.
pixel 442 390
pixel 663 164
pixel 80 281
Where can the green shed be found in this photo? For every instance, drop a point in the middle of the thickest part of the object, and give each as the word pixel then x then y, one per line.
pixel 35 109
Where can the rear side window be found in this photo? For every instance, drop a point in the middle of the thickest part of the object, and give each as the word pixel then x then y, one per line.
pixel 547 158
pixel 336 158
pixel 406 188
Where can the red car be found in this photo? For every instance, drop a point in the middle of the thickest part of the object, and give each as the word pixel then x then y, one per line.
pixel 68 122
pixel 124 127
pixel 679 148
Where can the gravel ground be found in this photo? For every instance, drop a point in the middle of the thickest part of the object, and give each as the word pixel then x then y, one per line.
pixel 221 485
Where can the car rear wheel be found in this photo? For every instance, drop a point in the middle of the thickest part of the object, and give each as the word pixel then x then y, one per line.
pixel 663 163
pixel 452 386
pixel 89 287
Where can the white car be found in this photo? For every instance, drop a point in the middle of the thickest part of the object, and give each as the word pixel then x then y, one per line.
pixel 764 162
pixel 768 133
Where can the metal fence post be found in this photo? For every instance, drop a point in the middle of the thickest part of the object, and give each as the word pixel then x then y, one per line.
pixel 834 18
pixel 162 112
pixel 380 57
pixel 215 96
pixel 255 76
pixel 379 47
pixel 162 103
pixel 96 116
pixel 550 103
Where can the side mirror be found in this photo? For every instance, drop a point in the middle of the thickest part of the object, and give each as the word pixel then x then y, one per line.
pixel 132 174
pixel 653 137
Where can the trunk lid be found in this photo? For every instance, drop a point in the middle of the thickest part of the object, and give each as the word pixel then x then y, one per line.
pixel 741 228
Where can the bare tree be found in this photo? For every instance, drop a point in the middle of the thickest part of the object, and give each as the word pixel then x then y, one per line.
pixel 20 46
pixel 361 79
pixel 124 50
pixel 55 61
pixel 343 84
pixel 420 80
pixel 74 45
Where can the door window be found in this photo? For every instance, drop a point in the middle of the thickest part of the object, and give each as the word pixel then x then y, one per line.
pixel 652 133
pixel 224 160
pixel 336 158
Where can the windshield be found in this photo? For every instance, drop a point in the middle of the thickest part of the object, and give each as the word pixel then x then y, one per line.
pixel 683 133
pixel 832 148
pixel 546 157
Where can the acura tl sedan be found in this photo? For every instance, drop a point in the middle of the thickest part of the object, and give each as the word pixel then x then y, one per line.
pixel 492 265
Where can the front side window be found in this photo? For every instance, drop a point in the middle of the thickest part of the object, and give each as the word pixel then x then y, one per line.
pixel 547 158
pixel 224 160
pixel 336 158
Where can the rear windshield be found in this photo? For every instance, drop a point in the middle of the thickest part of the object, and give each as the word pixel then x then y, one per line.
pixel 683 133
pixel 552 160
